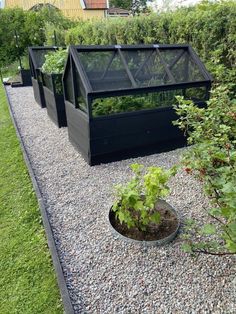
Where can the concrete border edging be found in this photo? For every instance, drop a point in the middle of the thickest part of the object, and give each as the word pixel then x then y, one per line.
pixel 68 307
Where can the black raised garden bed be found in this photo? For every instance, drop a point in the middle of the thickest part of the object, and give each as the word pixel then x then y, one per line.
pixel 54 99
pixel 119 98
pixel 26 77
pixel 36 60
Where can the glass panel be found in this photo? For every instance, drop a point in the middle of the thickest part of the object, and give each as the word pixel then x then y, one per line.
pixel 32 69
pixel 186 70
pixel 146 67
pixel 171 56
pixel 196 93
pixel 105 70
pixel 81 104
pixel 81 98
pixel 39 56
pixel 113 105
pixel 194 72
pixel 94 61
pixel 47 81
pixel 58 83
pixel 68 84
pixel 39 76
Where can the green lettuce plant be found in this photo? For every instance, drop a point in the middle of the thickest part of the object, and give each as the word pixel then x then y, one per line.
pixel 136 200
pixel 212 159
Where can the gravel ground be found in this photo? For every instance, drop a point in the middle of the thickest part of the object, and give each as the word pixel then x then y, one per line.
pixel 105 275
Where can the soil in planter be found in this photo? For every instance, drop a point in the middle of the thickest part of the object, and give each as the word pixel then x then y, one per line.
pixel 167 226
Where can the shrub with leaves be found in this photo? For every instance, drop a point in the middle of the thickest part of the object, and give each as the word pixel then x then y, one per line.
pixel 212 159
pixel 55 35
pixel 135 201
pixel 55 62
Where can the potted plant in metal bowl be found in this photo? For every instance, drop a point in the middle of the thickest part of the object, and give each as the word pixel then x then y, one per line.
pixel 139 213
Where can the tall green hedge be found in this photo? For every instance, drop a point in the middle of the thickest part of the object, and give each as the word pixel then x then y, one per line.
pixel 209 27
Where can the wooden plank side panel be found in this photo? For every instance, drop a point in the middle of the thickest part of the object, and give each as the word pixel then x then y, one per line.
pixel 55 107
pixel 51 105
pixel 78 130
pixel 38 93
pixel 132 131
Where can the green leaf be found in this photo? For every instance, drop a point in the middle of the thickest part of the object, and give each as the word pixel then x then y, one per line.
pixel 156 217
pixel 231 246
pixel 215 212
pixel 136 167
pixel 208 229
pixel 121 216
pixel 232 227
pixel 139 205
pixel 226 212
pixel 187 248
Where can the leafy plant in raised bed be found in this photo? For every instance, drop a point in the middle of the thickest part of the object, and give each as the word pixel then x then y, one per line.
pixel 54 64
pixel 136 204
pixel 112 105
pixel 212 160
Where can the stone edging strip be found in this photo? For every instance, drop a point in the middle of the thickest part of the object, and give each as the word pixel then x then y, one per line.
pixel 47 226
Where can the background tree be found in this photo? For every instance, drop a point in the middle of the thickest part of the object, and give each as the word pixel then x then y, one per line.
pixel 139 6
pixel 11 21
pixel 123 4
pixel 135 6
pixel 31 27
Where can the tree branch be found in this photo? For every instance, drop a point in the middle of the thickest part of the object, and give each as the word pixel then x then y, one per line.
pixel 213 253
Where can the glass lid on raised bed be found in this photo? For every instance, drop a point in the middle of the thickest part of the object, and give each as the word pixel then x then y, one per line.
pixel 37 55
pixel 112 68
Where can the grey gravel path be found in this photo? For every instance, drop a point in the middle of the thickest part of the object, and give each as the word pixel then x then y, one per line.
pixel 103 274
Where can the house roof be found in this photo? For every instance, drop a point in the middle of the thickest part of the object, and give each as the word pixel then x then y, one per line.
pixel 95 4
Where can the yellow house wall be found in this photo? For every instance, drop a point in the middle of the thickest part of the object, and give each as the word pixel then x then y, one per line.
pixel 70 8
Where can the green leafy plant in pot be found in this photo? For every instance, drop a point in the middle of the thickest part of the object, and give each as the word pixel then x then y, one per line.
pixel 139 211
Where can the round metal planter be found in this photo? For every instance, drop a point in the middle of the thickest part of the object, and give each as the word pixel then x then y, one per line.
pixel 158 242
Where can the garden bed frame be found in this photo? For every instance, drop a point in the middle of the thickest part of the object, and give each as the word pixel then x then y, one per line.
pixel 54 98
pixel 121 135
pixel 36 60
pixel 26 77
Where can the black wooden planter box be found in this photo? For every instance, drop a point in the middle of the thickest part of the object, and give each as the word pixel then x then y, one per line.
pixel 119 135
pixel 36 60
pixel 25 80
pixel 26 77
pixel 38 89
pixel 105 139
pixel 54 99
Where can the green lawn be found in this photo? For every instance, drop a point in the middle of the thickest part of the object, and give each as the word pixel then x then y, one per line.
pixel 12 69
pixel 27 279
